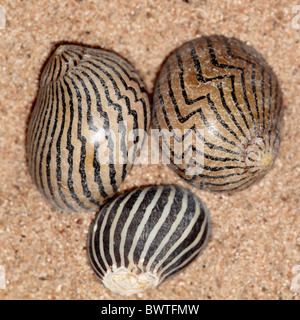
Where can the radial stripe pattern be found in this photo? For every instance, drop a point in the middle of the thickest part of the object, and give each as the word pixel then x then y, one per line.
pixel 145 236
pixel 218 107
pixel 87 126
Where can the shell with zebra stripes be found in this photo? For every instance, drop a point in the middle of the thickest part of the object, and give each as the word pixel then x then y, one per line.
pixel 145 236
pixel 218 108
pixel 87 127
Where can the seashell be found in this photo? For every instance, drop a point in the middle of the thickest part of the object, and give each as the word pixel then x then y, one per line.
pixel 218 108
pixel 87 127
pixel 143 237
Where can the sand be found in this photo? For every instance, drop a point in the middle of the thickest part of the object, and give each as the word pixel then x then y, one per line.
pixel 254 252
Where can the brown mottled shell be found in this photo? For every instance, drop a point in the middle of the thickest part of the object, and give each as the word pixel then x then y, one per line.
pixel 218 107
pixel 83 132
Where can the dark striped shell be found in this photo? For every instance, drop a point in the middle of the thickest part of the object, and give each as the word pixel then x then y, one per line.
pixel 217 105
pixel 145 236
pixel 87 126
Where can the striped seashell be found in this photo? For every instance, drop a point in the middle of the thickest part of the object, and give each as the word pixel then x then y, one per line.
pixel 87 127
pixel 218 107
pixel 145 236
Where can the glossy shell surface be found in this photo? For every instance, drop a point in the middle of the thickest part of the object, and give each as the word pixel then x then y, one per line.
pixel 218 107
pixel 147 235
pixel 87 127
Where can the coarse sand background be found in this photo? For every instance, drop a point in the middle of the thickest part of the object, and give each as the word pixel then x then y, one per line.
pixel 254 252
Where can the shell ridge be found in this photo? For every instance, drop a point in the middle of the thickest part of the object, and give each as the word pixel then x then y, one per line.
pixel 196 244
pixel 114 229
pixel 122 127
pixel 132 252
pixel 126 225
pixel 107 125
pixel 186 118
pixel 215 62
pixel 153 233
pixel 95 242
pixel 59 173
pixel 104 245
pixel 83 141
pixel 187 258
pixel 47 120
pixel 70 146
pixel 39 128
pixel 165 242
pixel 179 235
